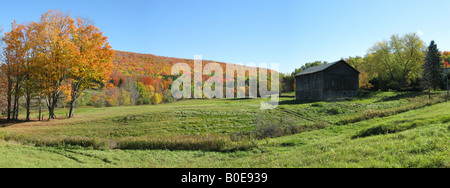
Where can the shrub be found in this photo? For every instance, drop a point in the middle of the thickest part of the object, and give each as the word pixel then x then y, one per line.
pixel 99 103
pixel 168 98
pixel 266 128
pixel 124 97
pixel 318 104
pixel 204 143
pixel 393 127
pixel 156 99
pixel 145 93
pixel 83 100
pixel 335 110
pixel 111 101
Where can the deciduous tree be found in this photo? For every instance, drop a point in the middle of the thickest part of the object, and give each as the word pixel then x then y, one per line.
pixel 14 52
pixel 399 60
pixel 55 55
pixel 92 60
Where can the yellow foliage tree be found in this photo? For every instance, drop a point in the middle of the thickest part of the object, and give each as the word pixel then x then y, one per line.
pixel 92 60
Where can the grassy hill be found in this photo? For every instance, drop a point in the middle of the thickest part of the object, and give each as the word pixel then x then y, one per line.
pixel 398 130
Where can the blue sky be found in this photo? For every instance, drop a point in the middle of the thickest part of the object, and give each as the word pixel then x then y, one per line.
pixel 289 32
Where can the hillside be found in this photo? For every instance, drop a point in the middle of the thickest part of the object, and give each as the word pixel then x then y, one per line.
pixel 139 79
pixel 378 129
pixel 129 63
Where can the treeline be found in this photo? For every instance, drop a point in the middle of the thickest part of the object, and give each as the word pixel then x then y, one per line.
pixel 141 79
pixel 395 64
pixel 42 61
pixel 126 90
pixel 288 80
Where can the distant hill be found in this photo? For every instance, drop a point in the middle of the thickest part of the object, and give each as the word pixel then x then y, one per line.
pixel 145 79
pixel 129 63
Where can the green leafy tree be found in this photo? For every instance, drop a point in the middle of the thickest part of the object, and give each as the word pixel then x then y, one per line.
pixel 145 93
pixel 398 62
pixel 124 97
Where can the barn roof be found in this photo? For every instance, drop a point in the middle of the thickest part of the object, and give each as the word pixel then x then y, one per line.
pixel 320 68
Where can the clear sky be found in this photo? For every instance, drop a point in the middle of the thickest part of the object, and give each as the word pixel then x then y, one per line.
pixel 289 32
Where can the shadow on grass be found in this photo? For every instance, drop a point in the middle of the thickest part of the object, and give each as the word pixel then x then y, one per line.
pixel 401 96
pixel 6 123
pixel 287 96
pixel 240 99
pixel 296 102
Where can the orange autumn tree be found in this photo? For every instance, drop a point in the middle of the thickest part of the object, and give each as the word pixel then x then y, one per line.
pixel 446 57
pixel 55 53
pixel 14 53
pixel 92 61
pixel 31 85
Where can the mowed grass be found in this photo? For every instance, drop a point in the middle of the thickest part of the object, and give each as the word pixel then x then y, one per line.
pixel 416 137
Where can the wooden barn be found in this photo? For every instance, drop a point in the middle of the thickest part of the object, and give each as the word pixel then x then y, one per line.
pixel 334 80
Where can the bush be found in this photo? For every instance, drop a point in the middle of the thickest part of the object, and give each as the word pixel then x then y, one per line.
pixel 335 110
pixel 156 99
pixel 266 128
pixel 204 143
pixel 168 98
pixel 111 101
pixel 83 100
pixel 99 103
pixel 97 100
pixel 124 97
pixel 145 93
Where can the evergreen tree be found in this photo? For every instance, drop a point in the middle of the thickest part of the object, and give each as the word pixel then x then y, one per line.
pixel 433 68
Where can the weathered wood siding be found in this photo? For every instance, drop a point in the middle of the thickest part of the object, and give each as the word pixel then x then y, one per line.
pixel 340 81
pixel 309 87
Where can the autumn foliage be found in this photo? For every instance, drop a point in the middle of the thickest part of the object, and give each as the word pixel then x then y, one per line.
pixel 60 61
pixel 446 58
pixel 53 57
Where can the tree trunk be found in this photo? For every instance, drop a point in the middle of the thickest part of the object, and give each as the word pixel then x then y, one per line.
pixel 51 104
pixel 429 93
pixel 40 109
pixel 17 110
pixel 50 113
pixel 72 107
pixel 39 112
pixel 447 85
pixel 16 100
pixel 28 100
pixel 9 97
pixel 9 106
pixel 14 112
pixel 72 101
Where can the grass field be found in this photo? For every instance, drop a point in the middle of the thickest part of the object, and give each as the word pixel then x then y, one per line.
pixel 377 129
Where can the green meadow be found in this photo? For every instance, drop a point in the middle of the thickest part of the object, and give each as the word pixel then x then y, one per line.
pixel 376 129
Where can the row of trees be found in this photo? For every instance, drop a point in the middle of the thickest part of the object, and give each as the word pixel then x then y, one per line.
pixel 55 56
pixel 401 63
pixel 288 80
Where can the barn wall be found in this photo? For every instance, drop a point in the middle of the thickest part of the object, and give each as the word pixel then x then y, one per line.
pixel 309 87
pixel 340 81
